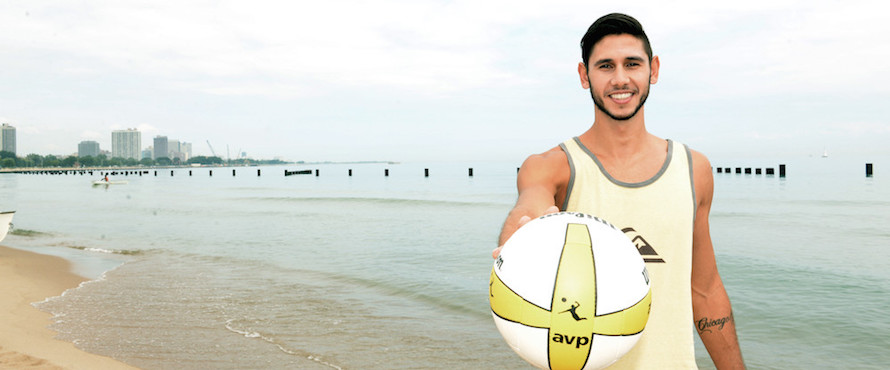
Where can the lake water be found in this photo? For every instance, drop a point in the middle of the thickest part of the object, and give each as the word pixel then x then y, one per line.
pixel 380 272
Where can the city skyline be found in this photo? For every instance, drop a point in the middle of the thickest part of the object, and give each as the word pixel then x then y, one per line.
pixel 129 139
pixel 125 144
pixel 438 80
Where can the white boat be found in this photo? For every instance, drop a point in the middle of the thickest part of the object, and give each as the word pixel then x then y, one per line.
pixel 5 223
pixel 103 182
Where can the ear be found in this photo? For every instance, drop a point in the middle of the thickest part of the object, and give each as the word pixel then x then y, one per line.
pixel 582 73
pixel 653 70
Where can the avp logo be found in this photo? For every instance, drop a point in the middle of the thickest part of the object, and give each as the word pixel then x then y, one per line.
pixel 646 250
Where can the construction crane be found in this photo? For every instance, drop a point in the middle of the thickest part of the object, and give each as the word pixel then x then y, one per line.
pixel 211 148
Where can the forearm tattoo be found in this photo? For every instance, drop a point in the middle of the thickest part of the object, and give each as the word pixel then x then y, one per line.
pixel 704 325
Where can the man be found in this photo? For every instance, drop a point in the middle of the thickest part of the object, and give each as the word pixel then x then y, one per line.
pixel 657 191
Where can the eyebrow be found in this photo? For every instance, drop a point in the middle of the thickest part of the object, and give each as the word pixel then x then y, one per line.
pixel 609 60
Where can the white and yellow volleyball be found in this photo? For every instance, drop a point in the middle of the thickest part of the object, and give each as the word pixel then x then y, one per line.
pixel 570 291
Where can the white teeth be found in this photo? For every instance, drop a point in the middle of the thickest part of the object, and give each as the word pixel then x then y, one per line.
pixel 621 96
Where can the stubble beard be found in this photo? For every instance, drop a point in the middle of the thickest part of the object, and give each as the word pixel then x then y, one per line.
pixel 600 104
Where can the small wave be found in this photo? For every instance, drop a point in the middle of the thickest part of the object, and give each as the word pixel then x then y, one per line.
pixel 253 334
pixel 102 277
pixel 126 252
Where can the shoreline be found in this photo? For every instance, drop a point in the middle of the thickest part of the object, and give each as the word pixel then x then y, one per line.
pixel 26 340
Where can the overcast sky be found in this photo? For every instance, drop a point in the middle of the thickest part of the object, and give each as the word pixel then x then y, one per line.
pixel 437 80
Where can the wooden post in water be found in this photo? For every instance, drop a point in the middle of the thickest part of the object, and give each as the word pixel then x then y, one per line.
pixel 171 173
pixel 258 173
pixel 719 169
pixel 426 172
pixel 758 172
pixel 386 172
pixel 156 173
pixel 316 172
pixel 211 173
pixel 350 172
pixel 233 172
pixel 770 171
pixel 781 170
pixel 471 171
pixel 869 170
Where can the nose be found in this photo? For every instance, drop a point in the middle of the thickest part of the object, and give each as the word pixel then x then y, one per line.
pixel 620 77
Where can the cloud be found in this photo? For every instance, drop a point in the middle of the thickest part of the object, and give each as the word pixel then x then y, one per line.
pixel 856 129
pixel 257 47
pixel 147 129
pixel 200 70
pixel 92 135
pixel 294 49
pixel 787 47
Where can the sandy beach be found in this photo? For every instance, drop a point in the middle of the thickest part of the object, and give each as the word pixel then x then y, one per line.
pixel 26 342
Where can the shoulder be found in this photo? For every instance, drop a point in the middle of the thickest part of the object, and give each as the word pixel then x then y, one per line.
pixel 553 157
pixel 547 167
pixel 700 162
pixel 702 176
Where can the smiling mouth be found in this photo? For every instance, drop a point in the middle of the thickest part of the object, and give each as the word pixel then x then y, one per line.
pixel 621 98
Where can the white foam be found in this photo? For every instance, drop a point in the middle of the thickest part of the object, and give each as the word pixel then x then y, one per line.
pixel 251 334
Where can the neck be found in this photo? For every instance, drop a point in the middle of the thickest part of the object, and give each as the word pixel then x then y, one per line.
pixel 617 139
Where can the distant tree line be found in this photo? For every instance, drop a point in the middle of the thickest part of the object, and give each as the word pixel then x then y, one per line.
pixel 10 160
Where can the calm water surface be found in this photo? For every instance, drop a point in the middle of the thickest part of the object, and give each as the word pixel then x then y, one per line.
pixel 374 271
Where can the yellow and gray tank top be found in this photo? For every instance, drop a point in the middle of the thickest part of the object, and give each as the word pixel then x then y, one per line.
pixel 658 216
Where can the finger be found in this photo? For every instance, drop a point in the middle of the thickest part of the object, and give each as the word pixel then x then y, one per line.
pixel 552 209
pixel 496 252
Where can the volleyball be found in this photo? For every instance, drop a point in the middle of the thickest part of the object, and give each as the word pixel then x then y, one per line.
pixel 570 291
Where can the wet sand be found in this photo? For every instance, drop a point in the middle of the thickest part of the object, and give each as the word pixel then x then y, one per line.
pixel 26 342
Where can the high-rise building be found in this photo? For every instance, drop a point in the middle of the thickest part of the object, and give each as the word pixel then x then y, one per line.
pixel 173 149
pixel 126 144
pixel 7 138
pixel 88 149
pixel 186 150
pixel 160 146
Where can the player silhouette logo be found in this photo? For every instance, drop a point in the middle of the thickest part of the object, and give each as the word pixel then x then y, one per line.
pixel 573 311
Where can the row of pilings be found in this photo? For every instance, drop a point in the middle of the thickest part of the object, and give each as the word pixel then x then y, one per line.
pixel 768 171
pixel 144 172
pixel 771 171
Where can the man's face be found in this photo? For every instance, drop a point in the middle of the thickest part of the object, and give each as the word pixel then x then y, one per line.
pixel 618 75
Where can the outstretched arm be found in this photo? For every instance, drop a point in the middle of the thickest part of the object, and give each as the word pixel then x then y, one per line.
pixel 711 309
pixel 540 179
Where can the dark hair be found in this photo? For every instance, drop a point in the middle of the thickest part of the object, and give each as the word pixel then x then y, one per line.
pixel 613 24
